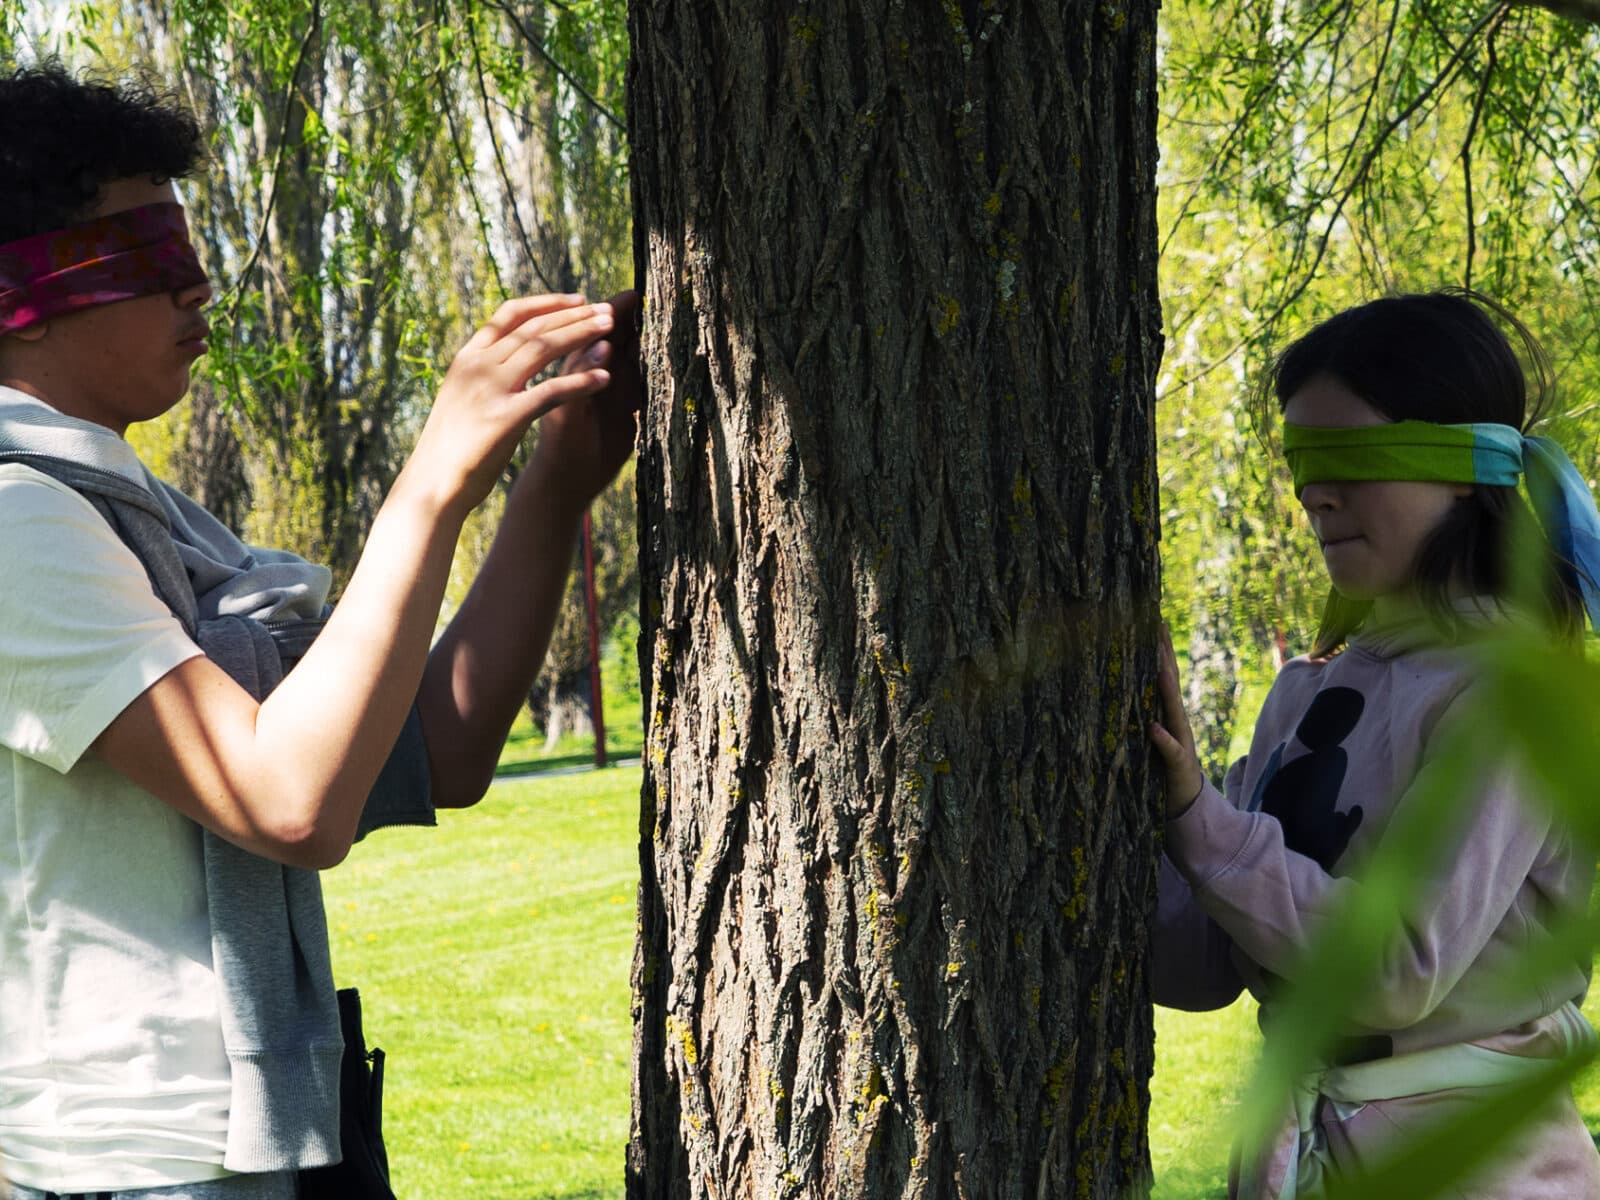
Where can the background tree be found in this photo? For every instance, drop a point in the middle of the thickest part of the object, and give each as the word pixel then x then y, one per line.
pixel 561 702
pixel 317 197
pixel 549 140
pixel 897 524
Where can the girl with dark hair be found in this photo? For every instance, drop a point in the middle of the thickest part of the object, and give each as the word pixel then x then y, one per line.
pixel 1404 429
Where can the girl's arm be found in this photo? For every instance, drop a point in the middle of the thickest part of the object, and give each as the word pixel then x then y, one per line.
pixel 1191 957
pixel 1274 903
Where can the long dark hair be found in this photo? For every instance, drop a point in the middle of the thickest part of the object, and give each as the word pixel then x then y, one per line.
pixel 1441 357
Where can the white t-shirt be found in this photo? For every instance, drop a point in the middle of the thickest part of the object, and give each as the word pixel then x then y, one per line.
pixel 112 1068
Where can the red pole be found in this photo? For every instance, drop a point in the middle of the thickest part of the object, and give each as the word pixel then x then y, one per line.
pixel 596 705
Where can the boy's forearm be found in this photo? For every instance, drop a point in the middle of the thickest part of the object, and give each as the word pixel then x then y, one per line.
pixel 479 672
pixel 287 778
pixel 343 705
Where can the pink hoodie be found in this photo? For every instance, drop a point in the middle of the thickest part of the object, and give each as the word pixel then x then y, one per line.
pixel 1250 874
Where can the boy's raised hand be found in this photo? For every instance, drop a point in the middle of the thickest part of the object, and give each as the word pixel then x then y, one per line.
pixel 286 778
pixel 584 442
pixel 484 406
pixel 1172 737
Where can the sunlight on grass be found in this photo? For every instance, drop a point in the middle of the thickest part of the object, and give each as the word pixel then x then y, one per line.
pixel 1202 1063
pixel 526 749
pixel 492 956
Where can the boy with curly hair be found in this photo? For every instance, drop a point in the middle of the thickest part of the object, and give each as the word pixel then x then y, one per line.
pixel 168 786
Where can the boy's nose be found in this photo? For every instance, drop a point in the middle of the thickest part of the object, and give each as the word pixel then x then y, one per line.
pixel 195 295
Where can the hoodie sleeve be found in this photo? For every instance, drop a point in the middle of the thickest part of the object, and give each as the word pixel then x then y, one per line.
pixel 1191 956
pixel 1273 902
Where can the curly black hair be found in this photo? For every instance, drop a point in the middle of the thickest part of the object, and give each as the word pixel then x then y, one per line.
pixel 63 138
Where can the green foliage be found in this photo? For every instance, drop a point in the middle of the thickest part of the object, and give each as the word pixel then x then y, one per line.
pixel 1314 156
pixel 619 666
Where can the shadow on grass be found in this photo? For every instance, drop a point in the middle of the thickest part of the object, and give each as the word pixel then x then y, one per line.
pixel 615 756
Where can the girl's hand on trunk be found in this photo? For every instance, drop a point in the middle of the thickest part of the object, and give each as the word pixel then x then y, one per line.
pixel 1172 737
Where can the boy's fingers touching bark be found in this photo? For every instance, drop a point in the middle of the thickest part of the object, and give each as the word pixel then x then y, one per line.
pixel 553 334
pixel 561 389
pixel 517 312
pixel 538 353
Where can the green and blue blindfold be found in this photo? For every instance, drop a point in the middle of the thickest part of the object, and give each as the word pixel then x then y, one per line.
pixel 1493 455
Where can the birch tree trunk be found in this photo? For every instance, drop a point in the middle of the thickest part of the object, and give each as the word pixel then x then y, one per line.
pixel 898 543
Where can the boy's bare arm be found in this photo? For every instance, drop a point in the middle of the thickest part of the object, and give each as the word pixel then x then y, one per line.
pixel 480 671
pixel 287 778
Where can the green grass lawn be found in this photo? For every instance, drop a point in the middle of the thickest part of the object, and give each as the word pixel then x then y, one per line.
pixel 525 748
pixel 493 957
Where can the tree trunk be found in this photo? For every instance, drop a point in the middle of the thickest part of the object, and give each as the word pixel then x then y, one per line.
pixel 899 579
pixel 568 707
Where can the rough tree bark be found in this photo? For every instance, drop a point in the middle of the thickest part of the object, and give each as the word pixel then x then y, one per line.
pixel 898 545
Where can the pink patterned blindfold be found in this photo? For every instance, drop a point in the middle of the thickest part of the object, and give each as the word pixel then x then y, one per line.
pixel 136 252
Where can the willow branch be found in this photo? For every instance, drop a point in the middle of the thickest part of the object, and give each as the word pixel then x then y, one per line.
pixel 500 163
pixel 1341 195
pixel 237 292
pixel 1466 145
pixel 1247 111
pixel 538 48
pixel 1450 71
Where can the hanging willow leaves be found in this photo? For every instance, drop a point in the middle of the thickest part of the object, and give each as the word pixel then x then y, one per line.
pixel 1314 156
